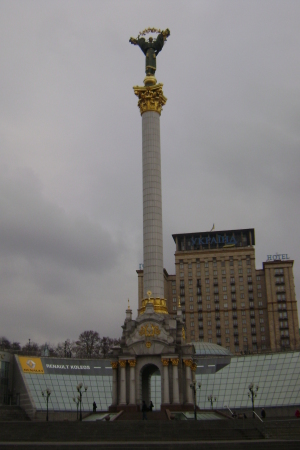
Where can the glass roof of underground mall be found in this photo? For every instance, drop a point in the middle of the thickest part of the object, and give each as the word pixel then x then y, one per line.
pixel 206 348
pixel 62 376
pixel 277 375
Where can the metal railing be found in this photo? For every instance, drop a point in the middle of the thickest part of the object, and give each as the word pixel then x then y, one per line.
pixel 258 416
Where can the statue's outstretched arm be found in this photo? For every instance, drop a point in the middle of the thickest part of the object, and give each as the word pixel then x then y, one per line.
pixel 161 38
pixel 166 33
pixel 133 41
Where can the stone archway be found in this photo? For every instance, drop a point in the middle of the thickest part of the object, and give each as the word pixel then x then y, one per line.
pixel 150 390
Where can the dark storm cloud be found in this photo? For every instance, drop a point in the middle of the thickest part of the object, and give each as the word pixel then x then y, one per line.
pixel 71 177
pixel 38 230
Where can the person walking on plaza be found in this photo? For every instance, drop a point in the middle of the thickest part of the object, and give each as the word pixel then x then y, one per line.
pixel 94 407
pixel 263 413
pixel 144 410
pixel 151 406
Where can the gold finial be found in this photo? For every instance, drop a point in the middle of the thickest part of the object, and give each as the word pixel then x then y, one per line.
pixel 183 333
pixel 149 294
pixel 179 304
pixel 128 305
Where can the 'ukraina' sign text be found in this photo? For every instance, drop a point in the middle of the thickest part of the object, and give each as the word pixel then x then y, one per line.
pixel 218 239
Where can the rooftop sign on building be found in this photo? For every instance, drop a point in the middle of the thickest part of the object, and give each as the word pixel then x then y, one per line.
pixel 278 257
pixel 214 239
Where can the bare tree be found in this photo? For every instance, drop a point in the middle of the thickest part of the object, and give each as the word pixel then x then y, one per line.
pixel 16 347
pixel 5 344
pixel 105 345
pixel 31 348
pixel 66 349
pixel 88 345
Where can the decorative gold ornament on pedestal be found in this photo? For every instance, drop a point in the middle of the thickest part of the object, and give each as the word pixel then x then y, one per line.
pixel 165 361
pixel 159 304
pixel 149 330
pixel 151 97
pixel 179 304
pixel 114 364
pixel 122 363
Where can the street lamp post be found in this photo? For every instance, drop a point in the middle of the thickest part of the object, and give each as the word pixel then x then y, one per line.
pixel 252 394
pixel 77 401
pixel 212 399
pixel 194 388
pixel 47 394
pixel 79 387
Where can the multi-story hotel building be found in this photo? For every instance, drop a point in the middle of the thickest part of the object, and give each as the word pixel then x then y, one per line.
pixel 225 299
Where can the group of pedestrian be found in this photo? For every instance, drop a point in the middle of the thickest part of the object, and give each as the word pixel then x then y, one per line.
pixel 145 408
pixel 243 415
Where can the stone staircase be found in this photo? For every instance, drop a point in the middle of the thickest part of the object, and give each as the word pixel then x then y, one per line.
pixel 139 434
pixel 258 445
pixel 12 413
pixel 154 415
pixel 282 429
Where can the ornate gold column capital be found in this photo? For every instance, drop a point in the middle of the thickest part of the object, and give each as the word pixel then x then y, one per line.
pixel 132 362
pixel 194 367
pixel 114 364
pixel 151 98
pixel 165 361
pixel 175 361
pixel 188 362
pixel 122 363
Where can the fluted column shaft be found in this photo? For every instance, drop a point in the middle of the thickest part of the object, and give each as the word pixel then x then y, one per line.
pixel 123 383
pixel 115 383
pixel 166 398
pixel 132 400
pixel 175 362
pixel 188 378
pixel 152 206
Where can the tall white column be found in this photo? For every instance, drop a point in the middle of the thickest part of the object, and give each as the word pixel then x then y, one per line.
pixel 188 377
pixel 114 365
pixel 123 382
pixel 152 206
pixel 175 362
pixel 166 397
pixel 132 364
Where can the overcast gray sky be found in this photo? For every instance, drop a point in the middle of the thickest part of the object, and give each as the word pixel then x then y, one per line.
pixel 70 173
